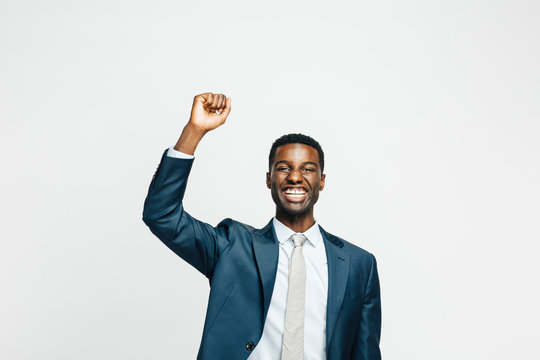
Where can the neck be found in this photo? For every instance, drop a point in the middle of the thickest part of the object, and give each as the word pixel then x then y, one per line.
pixel 297 223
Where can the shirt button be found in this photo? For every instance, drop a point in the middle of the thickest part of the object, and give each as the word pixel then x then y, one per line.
pixel 249 346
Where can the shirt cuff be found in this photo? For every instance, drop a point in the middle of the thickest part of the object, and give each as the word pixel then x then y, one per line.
pixel 178 154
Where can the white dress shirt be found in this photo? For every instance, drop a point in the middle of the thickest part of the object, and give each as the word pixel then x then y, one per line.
pixel 269 346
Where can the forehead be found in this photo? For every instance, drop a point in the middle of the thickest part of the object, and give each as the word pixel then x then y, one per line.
pixel 297 153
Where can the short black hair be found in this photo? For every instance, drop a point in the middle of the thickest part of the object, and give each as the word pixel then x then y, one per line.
pixel 295 139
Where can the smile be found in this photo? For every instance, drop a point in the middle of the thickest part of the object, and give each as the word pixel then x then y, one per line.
pixel 295 194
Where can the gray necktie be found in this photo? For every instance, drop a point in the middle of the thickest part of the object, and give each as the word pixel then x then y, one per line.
pixel 293 336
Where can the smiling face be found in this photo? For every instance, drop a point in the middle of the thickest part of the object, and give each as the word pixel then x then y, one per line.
pixel 295 179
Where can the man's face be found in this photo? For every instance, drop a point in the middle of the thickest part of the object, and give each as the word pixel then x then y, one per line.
pixel 295 178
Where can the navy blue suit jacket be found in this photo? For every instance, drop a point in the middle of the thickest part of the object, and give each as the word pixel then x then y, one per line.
pixel 241 262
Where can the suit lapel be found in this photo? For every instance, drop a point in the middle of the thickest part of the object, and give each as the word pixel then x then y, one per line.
pixel 265 246
pixel 338 271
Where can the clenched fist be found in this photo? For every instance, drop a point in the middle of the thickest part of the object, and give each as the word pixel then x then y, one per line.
pixel 209 111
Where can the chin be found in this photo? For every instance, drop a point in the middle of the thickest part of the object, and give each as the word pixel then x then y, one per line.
pixel 294 210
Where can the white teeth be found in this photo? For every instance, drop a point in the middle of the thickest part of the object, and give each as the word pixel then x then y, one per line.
pixel 294 192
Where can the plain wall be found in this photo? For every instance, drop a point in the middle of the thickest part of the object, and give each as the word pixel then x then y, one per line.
pixel 428 113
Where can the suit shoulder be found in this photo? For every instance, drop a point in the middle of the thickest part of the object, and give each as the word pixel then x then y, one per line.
pixel 235 226
pixel 355 251
pixel 361 259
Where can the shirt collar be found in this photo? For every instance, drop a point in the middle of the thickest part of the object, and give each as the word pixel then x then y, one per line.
pixel 283 233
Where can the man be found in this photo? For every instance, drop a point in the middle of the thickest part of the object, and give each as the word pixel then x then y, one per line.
pixel 287 291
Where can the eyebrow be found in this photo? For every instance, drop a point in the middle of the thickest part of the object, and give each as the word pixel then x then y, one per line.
pixel 304 163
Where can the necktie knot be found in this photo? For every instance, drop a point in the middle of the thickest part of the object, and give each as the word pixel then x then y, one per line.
pixel 299 239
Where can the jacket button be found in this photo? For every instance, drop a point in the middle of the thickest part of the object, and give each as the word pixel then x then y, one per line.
pixel 249 346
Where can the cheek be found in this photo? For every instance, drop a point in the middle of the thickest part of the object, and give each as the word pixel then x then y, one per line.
pixel 276 180
pixel 274 184
pixel 315 181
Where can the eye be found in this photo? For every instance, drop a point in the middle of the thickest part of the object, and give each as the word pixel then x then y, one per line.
pixel 283 168
pixel 308 170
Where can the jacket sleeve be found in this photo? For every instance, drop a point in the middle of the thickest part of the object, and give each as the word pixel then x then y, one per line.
pixel 196 242
pixel 367 346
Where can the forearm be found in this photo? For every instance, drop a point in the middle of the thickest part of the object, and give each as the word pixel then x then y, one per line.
pixel 166 189
pixel 189 139
pixel 194 241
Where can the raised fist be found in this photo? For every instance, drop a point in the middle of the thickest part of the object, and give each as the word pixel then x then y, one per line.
pixel 210 110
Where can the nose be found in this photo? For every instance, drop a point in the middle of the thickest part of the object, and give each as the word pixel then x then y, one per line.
pixel 295 177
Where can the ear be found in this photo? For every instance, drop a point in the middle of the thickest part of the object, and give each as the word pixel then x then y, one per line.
pixel 323 178
pixel 268 180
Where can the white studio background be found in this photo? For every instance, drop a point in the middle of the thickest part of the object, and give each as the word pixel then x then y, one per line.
pixel 428 113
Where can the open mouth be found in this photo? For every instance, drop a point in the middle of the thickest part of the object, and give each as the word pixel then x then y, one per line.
pixel 295 194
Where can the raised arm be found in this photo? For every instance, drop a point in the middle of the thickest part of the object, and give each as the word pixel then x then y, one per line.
pixel 195 241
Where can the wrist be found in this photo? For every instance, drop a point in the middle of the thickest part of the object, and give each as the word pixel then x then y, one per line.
pixel 194 130
pixel 190 138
